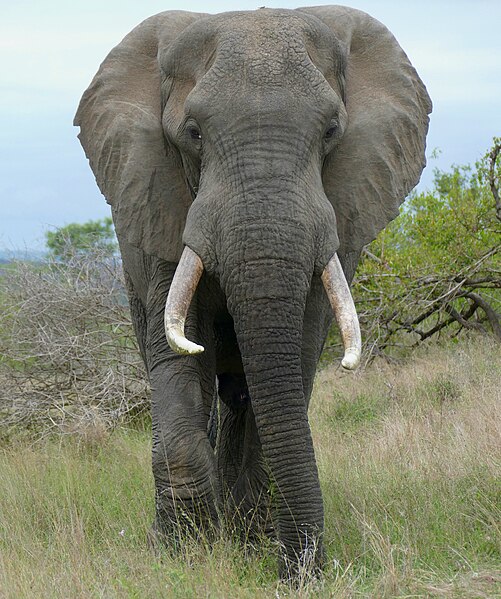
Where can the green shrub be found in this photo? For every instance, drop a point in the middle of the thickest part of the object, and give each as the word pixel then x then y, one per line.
pixel 74 238
pixel 436 269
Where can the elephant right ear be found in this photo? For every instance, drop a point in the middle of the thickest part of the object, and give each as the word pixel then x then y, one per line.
pixel 120 119
pixel 381 155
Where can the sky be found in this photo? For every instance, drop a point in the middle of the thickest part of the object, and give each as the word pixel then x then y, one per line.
pixel 51 49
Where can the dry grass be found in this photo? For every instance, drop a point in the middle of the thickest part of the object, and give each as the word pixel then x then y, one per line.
pixel 409 461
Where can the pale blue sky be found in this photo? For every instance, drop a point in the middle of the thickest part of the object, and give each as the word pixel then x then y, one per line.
pixel 50 50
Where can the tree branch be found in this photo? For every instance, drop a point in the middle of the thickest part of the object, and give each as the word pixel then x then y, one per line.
pixel 489 311
pixel 463 318
pixel 492 178
pixel 372 256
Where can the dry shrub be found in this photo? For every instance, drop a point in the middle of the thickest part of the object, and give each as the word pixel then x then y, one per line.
pixel 69 360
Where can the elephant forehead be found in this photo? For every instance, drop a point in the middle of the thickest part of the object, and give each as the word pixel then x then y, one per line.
pixel 275 61
pixel 270 47
pixel 272 28
pixel 266 46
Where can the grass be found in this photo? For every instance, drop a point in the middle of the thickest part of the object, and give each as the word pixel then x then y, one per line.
pixel 410 464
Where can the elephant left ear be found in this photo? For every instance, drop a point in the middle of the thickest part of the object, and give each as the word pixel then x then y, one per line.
pixel 381 156
pixel 120 120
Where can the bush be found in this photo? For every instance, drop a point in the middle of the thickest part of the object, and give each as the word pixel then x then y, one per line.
pixel 82 238
pixel 68 355
pixel 435 270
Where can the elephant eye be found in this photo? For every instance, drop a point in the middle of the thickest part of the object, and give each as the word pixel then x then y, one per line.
pixel 194 133
pixel 330 132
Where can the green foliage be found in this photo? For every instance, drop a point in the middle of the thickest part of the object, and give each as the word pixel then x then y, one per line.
pixel 445 230
pixel 435 270
pixel 77 238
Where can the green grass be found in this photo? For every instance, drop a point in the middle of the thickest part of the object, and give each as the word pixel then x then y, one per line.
pixel 410 465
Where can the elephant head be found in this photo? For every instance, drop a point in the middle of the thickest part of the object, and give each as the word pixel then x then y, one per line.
pixel 267 143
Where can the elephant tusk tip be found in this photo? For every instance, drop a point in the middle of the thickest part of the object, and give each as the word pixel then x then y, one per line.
pixel 192 349
pixel 181 345
pixel 186 278
pixel 351 359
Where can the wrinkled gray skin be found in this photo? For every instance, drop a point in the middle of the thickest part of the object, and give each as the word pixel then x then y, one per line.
pixel 312 126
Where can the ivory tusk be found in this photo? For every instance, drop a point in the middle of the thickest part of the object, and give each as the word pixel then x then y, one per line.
pixel 342 304
pixel 185 281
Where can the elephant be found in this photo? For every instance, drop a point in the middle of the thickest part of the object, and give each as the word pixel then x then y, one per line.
pixel 248 157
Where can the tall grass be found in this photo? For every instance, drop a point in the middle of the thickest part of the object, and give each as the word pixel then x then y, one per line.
pixel 410 460
pixel 410 465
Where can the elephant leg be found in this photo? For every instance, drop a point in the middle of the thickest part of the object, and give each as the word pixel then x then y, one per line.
pixel 183 387
pixel 183 461
pixel 184 466
pixel 251 493
pixel 244 478
pixel 230 443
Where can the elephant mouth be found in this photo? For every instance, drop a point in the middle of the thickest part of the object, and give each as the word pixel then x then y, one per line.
pixel 187 276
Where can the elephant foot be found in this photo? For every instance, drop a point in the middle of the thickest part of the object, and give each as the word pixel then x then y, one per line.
pixel 299 569
pixel 171 535
pixel 248 512
pixel 187 489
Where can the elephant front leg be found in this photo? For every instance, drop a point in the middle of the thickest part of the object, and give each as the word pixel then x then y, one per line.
pixel 182 390
pixel 184 469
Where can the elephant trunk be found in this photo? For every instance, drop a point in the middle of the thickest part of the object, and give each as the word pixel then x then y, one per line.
pixel 264 265
pixel 269 329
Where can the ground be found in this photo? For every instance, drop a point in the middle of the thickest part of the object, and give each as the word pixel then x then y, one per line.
pixel 409 460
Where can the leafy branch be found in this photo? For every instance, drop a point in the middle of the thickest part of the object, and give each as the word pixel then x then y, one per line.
pixel 436 270
pixel 494 177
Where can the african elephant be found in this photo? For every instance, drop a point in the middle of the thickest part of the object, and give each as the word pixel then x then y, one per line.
pixel 259 151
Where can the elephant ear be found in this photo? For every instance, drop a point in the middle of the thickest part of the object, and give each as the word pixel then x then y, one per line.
pixel 381 156
pixel 120 117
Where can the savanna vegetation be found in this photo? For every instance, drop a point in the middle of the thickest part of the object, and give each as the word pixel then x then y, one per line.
pixel 408 447
pixel 435 271
pixel 409 460
pixel 78 238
